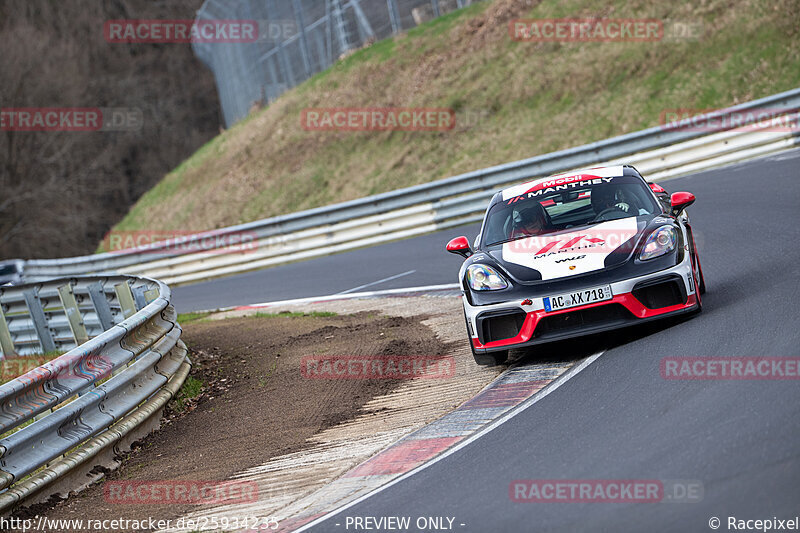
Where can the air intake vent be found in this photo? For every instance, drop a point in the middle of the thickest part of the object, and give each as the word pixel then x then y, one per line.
pixel 661 292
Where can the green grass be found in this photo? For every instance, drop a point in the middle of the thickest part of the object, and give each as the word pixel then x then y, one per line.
pixel 513 100
pixel 200 317
pixel 190 390
pixel 185 318
pixel 294 314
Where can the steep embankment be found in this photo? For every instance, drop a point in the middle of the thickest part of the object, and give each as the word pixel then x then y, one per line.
pixel 512 100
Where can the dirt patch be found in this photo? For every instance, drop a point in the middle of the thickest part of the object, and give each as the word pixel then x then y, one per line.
pixel 255 403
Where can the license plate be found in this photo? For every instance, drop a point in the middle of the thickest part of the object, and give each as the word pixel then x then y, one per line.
pixel 572 299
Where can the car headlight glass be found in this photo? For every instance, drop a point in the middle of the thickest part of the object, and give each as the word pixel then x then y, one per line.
pixel 485 278
pixel 662 241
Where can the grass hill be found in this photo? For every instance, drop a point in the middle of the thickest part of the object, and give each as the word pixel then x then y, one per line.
pixel 512 100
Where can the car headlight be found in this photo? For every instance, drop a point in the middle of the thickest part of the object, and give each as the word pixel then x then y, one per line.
pixel 661 241
pixel 485 278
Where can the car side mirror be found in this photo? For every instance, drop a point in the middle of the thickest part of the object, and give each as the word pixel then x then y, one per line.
pixel 460 246
pixel 680 201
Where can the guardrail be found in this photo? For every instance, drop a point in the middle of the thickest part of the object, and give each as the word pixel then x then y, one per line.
pixel 124 360
pixel 657 152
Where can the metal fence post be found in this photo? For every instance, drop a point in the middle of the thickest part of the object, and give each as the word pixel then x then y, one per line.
pixel 363 22
pixel 341 30
pixel 273 74
pixel 285 66
pixel 320 49
pixel 298 14
pixel 329 29
pixel 394 16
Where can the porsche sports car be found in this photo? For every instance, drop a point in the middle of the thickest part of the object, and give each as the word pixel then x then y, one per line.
pixel 575 254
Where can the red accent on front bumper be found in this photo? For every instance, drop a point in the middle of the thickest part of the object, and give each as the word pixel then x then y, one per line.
pixel 631 304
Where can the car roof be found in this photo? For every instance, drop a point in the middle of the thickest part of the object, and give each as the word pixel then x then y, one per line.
pixel 585 173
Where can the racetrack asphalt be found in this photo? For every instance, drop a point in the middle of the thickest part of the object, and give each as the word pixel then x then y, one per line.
pixel 425 254
pixel 619 419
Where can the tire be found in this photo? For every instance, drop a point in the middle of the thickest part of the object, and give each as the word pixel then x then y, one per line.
pixel 485 359
pixel 701 284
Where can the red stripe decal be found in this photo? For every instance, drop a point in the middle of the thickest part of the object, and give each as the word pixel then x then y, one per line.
pixel 572 242
pixel 546 248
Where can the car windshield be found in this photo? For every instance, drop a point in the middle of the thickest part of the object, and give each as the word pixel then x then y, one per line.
pixel 545 209
pixel 8 269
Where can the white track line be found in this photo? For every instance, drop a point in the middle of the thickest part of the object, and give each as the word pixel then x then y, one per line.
pixel 390 278
pixel 569 374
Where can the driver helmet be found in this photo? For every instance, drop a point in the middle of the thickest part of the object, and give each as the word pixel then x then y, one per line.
pixel 532 220
pixel 603 197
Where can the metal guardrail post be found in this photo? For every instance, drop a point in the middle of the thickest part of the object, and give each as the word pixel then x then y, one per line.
pixel 101 307
pixel 6 342
pixel 125 297
pixel 73 313
pixel 150 295
pixel 138 297
pixel 40 324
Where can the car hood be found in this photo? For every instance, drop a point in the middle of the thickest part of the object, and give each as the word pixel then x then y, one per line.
pixel 571 252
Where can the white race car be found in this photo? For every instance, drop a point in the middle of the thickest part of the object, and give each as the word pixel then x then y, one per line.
pixel 575 254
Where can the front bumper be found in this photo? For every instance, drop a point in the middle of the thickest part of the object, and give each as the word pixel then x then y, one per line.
pixel 520 323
